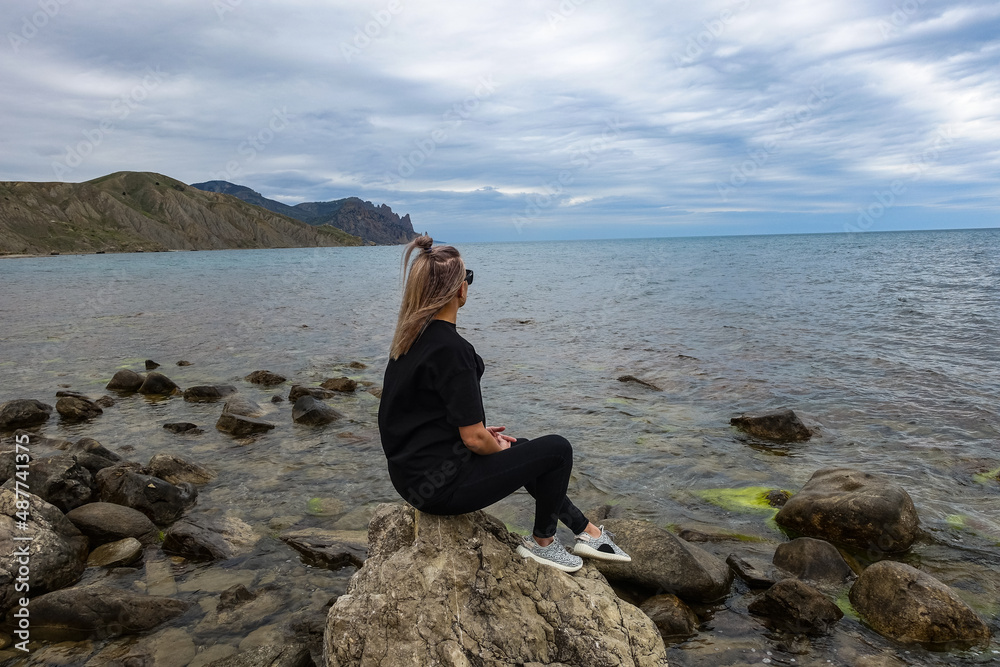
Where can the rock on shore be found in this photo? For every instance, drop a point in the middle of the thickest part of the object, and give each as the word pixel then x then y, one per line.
pixel 451 590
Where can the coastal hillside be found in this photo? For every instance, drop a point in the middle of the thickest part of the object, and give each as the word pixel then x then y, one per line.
pixel 374 224
pixel 131 211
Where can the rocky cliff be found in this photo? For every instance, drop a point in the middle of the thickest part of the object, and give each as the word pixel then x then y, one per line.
pixel 130 211
pixel 374 224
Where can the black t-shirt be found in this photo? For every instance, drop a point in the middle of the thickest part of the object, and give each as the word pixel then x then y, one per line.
pixel 426 395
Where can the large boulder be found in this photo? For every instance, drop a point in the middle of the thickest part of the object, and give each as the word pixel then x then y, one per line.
pixel 22 413
pixel 664 563
pixel 110 522
pixel 158 384
pixel 209 538
pixel 176 470
pixel 853 508
pixel 310 411
pixel 157 498
pixel 813 560
pixel 783 426
pixel 797 607
pixel 98 611
pixel 125 381
pixel 59 480
pixel 905 604
pixel 75 408
pixel 57 551
pixel 208 393
pixel 451 590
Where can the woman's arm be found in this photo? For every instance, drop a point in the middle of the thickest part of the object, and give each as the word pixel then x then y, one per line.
pixel 481 441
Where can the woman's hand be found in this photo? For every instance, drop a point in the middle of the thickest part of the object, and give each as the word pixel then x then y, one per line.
pixel 484 440
pixel 504 441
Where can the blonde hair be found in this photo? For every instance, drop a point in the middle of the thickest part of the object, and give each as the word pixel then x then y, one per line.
pixel 435 276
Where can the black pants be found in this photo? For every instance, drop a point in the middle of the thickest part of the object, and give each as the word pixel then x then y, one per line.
pixel 542 466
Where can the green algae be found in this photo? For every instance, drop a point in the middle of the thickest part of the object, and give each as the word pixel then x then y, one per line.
pixel 987 477
pixel 843 603
pixel 746 499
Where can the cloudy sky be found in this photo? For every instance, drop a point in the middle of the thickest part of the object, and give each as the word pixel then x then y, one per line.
pixel 545 119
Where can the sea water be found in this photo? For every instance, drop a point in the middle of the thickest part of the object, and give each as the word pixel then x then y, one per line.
pixel 884 343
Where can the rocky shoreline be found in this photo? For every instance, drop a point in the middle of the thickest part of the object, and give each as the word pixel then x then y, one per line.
pixel 448 590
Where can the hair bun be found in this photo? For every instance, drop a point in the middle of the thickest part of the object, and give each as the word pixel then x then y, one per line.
pixel 423 242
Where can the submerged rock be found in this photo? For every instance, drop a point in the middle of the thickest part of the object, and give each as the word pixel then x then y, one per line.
pixel 908 605
pixel 176 470
pixel 158 384
pixel 452 590
pixel 57 551
pixel 98 612
pixel 183 427
pixel 331 549
pixel 72 408
pixel 209 538
pixel 269 655
pixel 116 554
pixel 125 381
pixel 265 378
pixel 813 560
pixel 308 410
pixel 151 365
pixel 854 508
pixel 207 393
pixel 673 618
pixel 299 391
pixel 797 607
pixel 342 384
pixel 22 413
pixel 632 378
pixel 104 401
pixel 110 522
pixel 239 417
pixel 663 562
pixel 783 426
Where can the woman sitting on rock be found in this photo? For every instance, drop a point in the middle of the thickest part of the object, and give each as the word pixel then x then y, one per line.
pixel 442 457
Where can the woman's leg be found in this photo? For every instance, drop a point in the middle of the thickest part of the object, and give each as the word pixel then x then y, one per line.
pixel 543 464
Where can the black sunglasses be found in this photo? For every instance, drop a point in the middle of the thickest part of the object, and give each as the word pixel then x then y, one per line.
pixel 468 276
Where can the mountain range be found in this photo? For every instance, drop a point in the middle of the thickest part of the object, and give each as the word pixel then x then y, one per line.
pixel 144 211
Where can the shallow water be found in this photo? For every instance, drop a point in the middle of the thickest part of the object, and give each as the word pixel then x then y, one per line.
pixel 884 342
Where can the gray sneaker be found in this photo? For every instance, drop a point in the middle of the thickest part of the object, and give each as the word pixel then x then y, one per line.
pixel 601 548
pixel 554 555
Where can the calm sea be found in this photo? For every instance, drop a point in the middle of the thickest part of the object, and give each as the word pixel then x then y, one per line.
pixel 885 342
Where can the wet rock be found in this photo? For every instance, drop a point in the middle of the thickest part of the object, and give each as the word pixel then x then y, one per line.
pixel 99 612
pixel 813 560
pixel 342 384
pixel 796 607
pixel 783 426
pixel 357 365
pixel 269 655
pixel 754 576
pixel 663 562
pixel 854 508
pixel 277 398
pixel 184 363
pixel 632 378
pixel 233 596
pixel 908 605
pixel 673 618
pixel 777 498
pixel 126 381
pixel 158 384
pixel 22 413
pixel 239 405
pixel 88 446
pixel 401 605
pixel 207 393
pixel 375 391
pixel 241 426
pixel 57 551
pixel 265 378
pixel 71 394
pixel 157 498
pixel 109 522
pixel 176 470
pixel 308 410
pixel 209 538
pixel 299 391
pixel 105 401
pixel 115 554
pixel 151 365
pixel 330 549
pixel 58 480
pixel 183 427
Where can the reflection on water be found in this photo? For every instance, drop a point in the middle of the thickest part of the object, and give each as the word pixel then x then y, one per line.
pixel 884 342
